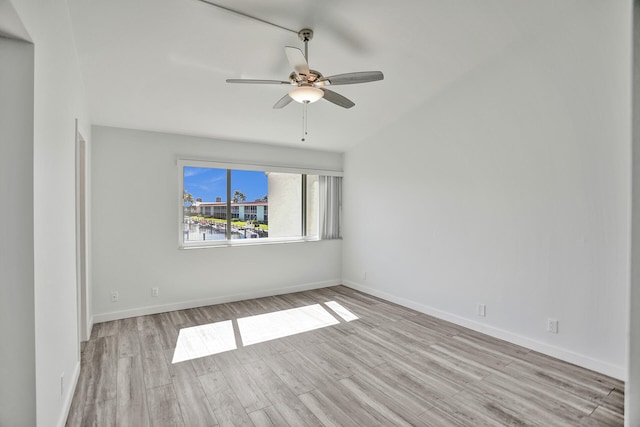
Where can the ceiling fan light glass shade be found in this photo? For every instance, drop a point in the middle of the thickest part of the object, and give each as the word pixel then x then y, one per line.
pixel 304 94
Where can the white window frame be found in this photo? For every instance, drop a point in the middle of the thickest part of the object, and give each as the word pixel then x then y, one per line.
pixel 212 164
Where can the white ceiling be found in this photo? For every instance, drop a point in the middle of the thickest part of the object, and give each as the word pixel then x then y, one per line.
pixel 161 65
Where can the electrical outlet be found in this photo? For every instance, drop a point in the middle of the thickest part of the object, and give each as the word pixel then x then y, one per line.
pixel 62 384
pixel 481 310
pixel 154 292
pixel 114 296
pixel 552 326
pixel 364 275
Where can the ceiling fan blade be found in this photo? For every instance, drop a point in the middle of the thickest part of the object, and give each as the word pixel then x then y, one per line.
pixel 259 82
pixel 297 60
pixel 283 102
pixel 337 99
pixel 352 78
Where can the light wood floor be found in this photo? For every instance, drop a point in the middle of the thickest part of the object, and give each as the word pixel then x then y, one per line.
pixel 392 366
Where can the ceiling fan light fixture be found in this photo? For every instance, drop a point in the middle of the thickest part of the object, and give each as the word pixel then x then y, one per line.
pixel 304 94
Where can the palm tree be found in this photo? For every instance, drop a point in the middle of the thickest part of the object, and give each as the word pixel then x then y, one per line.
pixel 187 197
pixel 239 196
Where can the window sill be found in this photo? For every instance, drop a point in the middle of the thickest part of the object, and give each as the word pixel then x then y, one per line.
pixel 245 242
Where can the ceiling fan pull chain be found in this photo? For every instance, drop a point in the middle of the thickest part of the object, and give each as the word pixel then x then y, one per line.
pixel 304 121
pixel 304 114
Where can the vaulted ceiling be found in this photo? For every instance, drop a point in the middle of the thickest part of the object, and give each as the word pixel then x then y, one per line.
pixel 161 65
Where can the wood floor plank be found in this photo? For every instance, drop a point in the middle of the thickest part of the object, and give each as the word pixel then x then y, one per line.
pixel 166 330
pixel 108 329
pixel 603 417
pixel 328 413
pixel 267 417
pixel 86 353
pixel 458 370
pixel 103 375
pixel 415 332
pixel 555 378
pixel 154 364
pixel 327 360
pixel 397 342
pixel 164 410
pixel 521 403
pixel 299 299
pixel 391 366
pixel 388 344
pixel 282 398
pixel 441 326
pixel 438 417
pixel 614 401
pixel 241 382
pixel 337 396
pixel 194 317
pixel 129 341
pixel 463 410
pixel 194 406
pixel 361 350
pixel 329 390
pixel 132 398
pixel 582 376
pixel 225 404
pixel 355 295
pixel 494 346
pixel 214 313
pixel 423 382
pixel 388 388
pixel 177 317
pixel 474 365
pixel 292 377
pixel 100 414
pixel 379 404
pixel 248 354
pixel 204 365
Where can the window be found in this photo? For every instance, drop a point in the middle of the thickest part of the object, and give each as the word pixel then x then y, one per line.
pixel 233 204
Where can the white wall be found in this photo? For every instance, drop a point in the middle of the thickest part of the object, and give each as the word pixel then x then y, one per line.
pixel 17 329
pixel 511 189
pixel 58 101
pixel 135 208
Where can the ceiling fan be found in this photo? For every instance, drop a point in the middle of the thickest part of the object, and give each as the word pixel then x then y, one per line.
pixel 310 85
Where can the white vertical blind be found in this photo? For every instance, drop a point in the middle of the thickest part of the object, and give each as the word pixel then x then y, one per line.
pixel 330 207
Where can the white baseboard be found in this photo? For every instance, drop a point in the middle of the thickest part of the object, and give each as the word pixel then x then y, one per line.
pixel 68 396
pixel 182 305
pixel 618 372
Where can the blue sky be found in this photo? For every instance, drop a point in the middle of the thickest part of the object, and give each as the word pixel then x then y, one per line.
pixel 208 183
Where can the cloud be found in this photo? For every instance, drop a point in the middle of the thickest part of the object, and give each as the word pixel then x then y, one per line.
pixel 216 179
pixel 191 172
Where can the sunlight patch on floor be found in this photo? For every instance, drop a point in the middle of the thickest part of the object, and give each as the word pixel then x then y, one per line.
pixel 214 338
pixel 341 311
pixel 204 340
pixel 270 326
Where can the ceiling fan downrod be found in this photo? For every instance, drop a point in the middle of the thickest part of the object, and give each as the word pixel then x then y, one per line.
pixel 306 35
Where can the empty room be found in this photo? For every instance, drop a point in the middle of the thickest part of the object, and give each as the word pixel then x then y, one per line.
pixel 291 213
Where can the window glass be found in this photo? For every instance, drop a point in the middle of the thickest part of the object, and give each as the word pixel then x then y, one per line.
pixel 204 204
pixel 260 205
